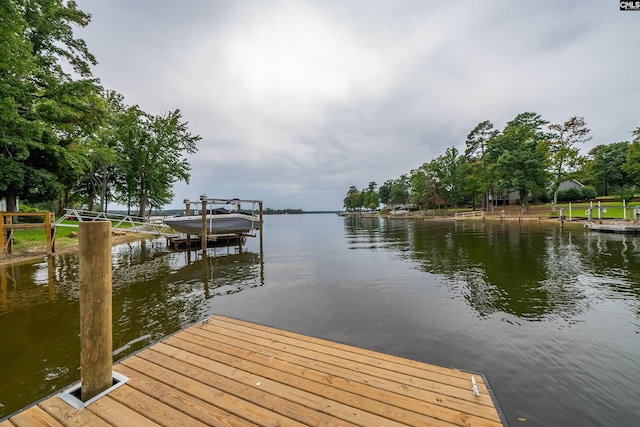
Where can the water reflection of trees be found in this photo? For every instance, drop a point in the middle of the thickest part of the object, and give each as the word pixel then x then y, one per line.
pixel 528 270
pixel 509 267
pixel 374 232
pixel 614 263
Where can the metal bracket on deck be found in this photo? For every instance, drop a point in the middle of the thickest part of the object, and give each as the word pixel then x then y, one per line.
pixel 72 394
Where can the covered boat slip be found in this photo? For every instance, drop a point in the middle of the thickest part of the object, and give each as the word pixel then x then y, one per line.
pixel 233 373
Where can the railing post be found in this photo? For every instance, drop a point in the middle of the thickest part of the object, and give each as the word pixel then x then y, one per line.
pixel 1 233
pixel 96 345
pixel 599 210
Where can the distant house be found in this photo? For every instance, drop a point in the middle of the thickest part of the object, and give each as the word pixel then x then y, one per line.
pixel 570 183
pixel 396 206
pixel 513 197
pixel 3 205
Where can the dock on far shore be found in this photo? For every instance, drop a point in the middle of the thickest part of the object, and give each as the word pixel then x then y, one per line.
pixel 229 372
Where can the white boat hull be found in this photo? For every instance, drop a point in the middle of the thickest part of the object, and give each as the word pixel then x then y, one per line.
pixel 216 224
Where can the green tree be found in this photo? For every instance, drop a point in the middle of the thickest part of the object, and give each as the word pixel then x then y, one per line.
pixel 519 156
pixel 352 200
pixel 418 187
pixel 152 157
pixel 604 171
pixel 632 164
pixel 444 179
pixel 564 157
pixel 400 190
pixel 39 99
pixel 371 198
pixel 453 179
pixel 385 191
pixel 478 173
pixel 101 153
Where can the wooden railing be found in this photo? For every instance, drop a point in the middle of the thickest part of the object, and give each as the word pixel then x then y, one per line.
pixel 472 214
pixel 7 226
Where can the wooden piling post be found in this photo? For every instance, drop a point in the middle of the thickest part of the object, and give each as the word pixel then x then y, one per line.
pixel 96 344
pixel 261 227
pixel 187 212
pixel 203 235
pixel 48 235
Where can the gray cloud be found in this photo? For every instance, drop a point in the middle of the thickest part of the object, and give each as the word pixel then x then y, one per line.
pixel 297 101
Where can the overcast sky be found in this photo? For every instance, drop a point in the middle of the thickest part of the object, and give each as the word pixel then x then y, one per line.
pixel 296 101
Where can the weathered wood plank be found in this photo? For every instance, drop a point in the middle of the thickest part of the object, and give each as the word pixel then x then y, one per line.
pixel 118 414
pixel 365 385
pixel 290 385
pixel 153 409
pixel 336 408
pixel 232 373
pixel 251 402
pixel 446 385
pixel 214 388
pixel 435 392
pixel 350 393
pixel 34 417
pixel 68 416
pixel 362 356
pixel 171 395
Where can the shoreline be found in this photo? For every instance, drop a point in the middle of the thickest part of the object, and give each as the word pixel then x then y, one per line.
pixel 26 255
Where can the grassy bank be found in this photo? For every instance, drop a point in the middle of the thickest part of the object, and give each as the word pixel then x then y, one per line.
pixel 31 244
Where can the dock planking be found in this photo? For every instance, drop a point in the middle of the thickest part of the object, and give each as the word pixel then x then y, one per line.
pixel 228 372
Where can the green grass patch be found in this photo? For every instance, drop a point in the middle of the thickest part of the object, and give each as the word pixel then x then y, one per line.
pixel 34 237
pixel 610 210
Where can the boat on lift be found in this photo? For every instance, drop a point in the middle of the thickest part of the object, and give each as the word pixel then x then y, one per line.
pixel 218 221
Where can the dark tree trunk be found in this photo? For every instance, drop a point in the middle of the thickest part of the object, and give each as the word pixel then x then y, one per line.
pixel 11 199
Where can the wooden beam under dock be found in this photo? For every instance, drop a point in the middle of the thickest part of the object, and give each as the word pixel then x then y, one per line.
pixel 230 372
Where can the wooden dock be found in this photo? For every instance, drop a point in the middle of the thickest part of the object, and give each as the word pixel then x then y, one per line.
pixel 233 373
pixel 618 228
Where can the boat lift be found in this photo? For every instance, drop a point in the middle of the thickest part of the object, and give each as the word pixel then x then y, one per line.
pixel 207 204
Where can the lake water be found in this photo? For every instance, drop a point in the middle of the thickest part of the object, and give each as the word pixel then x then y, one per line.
pixel 550 315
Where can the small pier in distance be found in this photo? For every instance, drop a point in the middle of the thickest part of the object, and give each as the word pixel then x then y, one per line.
pixel 230 372
pixel 615 227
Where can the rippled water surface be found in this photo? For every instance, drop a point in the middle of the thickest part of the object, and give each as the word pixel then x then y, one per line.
pixel 551 316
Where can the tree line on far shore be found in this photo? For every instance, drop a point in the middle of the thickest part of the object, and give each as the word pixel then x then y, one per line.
pixel 64 139
pixel 529 156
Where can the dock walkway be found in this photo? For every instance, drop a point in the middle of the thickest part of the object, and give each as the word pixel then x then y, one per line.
pixel 232 373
